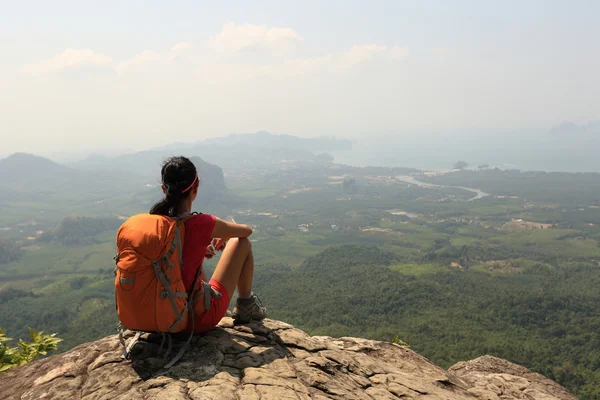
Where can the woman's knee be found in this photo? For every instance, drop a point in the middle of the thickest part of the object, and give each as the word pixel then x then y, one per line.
pixel 240 244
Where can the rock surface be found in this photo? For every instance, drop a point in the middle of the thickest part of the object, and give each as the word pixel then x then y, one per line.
pixel 270 360
pixel 495 376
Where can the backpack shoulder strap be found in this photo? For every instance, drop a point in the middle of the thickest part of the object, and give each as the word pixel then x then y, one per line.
pixel 180 221
pixel 185 216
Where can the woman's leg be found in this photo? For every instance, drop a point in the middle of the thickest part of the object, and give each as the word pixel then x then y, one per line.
pixel 236 266
pixel 236 269
pixel 244 284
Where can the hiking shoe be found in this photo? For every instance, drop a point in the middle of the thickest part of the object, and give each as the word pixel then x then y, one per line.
pixel 246 310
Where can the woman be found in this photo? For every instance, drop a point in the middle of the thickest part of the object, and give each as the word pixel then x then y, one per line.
pixel 235 268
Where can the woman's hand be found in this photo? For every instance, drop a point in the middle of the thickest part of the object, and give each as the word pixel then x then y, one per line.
pixel 219 243
pixel 210 252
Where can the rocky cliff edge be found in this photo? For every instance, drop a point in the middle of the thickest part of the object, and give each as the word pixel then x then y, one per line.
pixel 270 360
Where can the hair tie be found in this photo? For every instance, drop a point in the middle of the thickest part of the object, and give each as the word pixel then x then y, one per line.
pixel 193 183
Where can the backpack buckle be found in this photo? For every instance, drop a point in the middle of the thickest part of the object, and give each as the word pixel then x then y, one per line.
pixel 164 295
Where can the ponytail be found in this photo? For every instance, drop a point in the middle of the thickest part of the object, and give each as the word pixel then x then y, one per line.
pixel 168 206
pixel 162 208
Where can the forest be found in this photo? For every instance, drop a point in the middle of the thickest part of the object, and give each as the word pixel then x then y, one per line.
pixel 544 317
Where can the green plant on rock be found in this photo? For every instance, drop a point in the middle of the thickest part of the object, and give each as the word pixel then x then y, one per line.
pixel 397 340
pixel 25 352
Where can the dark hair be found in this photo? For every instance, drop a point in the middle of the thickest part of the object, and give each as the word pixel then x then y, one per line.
pixel 179 177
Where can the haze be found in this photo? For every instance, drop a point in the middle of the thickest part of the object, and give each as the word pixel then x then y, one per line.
pixel 137 74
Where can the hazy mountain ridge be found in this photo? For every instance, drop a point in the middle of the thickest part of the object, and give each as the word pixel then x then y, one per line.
pixel 230 152
pixel 23 169
pixel 568 147
pixel 568 129
pixel 266 140
pixel 547 151
pixel 116 187
pixel 30 172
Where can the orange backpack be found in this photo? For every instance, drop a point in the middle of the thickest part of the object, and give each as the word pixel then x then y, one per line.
pixel 150 294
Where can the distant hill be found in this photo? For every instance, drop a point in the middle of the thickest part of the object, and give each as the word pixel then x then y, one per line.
pixel 213 191
pixel 230 152
pixel 572 130
pixel 28 173
pixel 213 195
pixel 119 185
pixel 29 178
pixel 93 161
pixel 264 148
pixel 148 164
pixel 22 170
pixel 211 176
pixel 143 163
pixel 268 140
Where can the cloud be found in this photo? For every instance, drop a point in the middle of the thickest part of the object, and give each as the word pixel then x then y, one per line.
pixel 70 59
pixel 330 63
pixel 399 52
pixel 144 58
pixel 234 38
pixel 178 49
pixel 360 53
pixel 208 64
pixel 334 62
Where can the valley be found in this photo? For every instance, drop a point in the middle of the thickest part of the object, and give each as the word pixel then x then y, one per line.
pixel 341 251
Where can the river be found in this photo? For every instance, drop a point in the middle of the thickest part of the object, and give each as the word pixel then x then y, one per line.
pixel 409 179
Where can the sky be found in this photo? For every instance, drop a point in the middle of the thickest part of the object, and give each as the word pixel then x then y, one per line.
pixel 85 75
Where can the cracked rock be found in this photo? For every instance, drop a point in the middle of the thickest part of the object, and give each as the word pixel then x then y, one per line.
pixel 269 360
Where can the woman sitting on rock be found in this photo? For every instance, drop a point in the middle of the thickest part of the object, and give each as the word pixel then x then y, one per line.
pixel 204 234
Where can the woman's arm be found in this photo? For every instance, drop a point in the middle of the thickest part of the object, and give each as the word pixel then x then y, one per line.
pixel 228 230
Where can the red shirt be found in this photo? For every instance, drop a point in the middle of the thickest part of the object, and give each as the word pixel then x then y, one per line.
pixel 198 231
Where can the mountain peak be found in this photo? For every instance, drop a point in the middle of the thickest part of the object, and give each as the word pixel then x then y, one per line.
pixel 24 166
pixel 571 129
pixel 21 157
pixel 269 360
